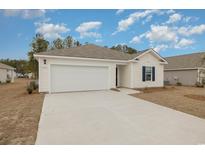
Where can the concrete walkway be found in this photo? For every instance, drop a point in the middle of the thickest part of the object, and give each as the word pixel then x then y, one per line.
pixel 109 117
pixel 128 91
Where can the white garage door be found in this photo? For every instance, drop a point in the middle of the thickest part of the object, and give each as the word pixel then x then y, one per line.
pixel 78 78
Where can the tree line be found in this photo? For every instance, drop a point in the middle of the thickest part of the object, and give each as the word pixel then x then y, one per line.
pixel 40 44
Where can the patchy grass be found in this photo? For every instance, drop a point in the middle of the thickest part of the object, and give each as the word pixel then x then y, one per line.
pixel 196 97
pixel 185 99
pixel 155 89
pixel 19 113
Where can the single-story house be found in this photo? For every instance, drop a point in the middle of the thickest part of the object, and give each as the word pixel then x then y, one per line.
pixel 91 67
pixel 186 69
pixel 6 73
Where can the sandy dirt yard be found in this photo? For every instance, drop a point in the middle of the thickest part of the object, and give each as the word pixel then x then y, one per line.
pixel 19 113
pixel 190 100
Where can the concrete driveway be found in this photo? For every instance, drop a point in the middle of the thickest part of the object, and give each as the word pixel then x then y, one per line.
pixel 109 117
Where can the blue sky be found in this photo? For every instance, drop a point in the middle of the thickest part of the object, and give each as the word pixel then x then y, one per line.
pixel 169 32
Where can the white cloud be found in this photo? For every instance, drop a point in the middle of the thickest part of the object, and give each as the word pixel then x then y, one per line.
pixel 98 40
pixel 161 34
pixel 148 19
pixel 184 31
pixel 184 43
pixel 174 18
pixel 26 14
pixel 90 34
pixel 170 11
pixel 119 11
pixel 187 19
pixel 190 19
pixel 51 31
pixel 161 47
pixel 85 29
pixel 124 24
pixel 191 30
pixel 135 40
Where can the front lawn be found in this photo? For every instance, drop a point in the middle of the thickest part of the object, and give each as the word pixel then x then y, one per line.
pixel 190 100
pixel 19 113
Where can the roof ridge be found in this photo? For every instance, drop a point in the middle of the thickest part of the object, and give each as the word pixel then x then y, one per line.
pixel 93 51
pixel 109 49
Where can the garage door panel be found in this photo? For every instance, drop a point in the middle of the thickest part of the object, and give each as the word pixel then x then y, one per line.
pixel 78 78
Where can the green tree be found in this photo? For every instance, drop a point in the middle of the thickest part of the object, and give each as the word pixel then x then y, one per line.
pixel 124 48
pixel 39 44
pixel 77 43
pixel 58 43
pixel 117 47
pixel 68 42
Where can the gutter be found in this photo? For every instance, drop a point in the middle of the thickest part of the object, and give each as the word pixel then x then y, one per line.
pixel 178 69
pixel 80 58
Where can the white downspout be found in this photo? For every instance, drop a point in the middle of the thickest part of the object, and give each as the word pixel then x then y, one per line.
pixel 198 75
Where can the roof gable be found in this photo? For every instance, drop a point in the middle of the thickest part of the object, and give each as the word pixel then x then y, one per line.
pixel 153 52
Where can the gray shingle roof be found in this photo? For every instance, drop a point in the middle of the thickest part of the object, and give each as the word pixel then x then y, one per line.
pixel 91 51
pixel 4 66
pixel 193 60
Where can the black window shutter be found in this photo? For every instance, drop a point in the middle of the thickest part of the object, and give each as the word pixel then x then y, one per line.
pixel 153 73
pixel 143 73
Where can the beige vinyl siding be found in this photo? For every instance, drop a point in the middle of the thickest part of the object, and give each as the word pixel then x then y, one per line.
pixel 148 60
pixel 186 77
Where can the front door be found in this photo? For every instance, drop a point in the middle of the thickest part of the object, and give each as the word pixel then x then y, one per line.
pixel 116 81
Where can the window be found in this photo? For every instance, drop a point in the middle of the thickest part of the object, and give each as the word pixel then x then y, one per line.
pixel 148 73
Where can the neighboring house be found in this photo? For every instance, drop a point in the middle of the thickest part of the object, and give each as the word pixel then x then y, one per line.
pixel 92 67
pixel 6 73
pixel 186 69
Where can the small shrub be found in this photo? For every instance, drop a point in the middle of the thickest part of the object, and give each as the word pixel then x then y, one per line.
pixel 29 89
pixel 34 85
pixel 199 84
pixel 8 81
pixel 203 81
pixel 166 83
pixel 179 83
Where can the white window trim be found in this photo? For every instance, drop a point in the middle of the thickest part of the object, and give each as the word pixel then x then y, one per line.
pixel 146 76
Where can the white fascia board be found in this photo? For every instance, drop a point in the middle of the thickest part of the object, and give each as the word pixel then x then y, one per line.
pixel 79 58
pixel 133 61
pixel 164 63
pixel 151 50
